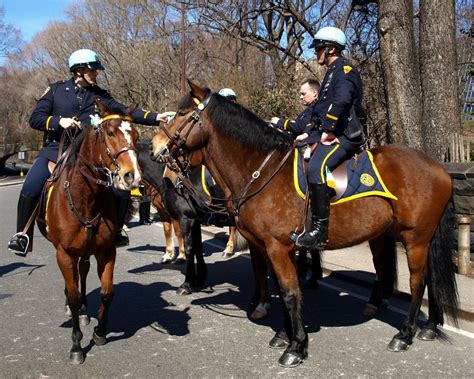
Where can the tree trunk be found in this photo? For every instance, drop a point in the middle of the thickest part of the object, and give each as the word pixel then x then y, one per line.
pixel 400 66
pixel 438 76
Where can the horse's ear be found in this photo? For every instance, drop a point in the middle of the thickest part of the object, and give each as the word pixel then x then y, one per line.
pixel 197 91
pixel 103 110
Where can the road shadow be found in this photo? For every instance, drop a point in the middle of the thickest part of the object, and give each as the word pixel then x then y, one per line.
pixel 9 268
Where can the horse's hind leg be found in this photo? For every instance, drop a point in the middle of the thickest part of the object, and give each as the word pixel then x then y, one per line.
pixel 105 270
pixel 68 267
pixel 229 247
pixel 384 256
pixel 169 253
pixel 84 266
pixel 179 236
pixel 417 259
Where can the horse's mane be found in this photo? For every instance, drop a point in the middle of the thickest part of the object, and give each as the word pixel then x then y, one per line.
pixel 75 147
pixel 241 124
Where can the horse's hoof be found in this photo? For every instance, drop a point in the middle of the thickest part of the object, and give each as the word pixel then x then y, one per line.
pixel 397 345
pixel 227 254
pixel 76 357
pixel 427 334
pixel 67 310
pixel 84 320
pixel 184 289
pixel 99 340
pixel 370 310
pixel 290 360
pixel 278 343
pixel 260 312
pixel 165 260
pixel 180 261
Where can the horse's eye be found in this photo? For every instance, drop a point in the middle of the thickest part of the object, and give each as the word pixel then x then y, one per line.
pixel 181 113
pixel 110 134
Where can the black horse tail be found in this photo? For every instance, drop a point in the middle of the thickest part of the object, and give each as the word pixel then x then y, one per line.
pixel 442 288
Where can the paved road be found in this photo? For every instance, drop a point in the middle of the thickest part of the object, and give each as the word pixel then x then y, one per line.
pixel 155 333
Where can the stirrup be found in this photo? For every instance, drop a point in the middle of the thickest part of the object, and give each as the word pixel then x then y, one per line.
pixel 21 253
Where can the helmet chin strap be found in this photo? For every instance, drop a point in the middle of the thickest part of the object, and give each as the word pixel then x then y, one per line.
pixel 80 74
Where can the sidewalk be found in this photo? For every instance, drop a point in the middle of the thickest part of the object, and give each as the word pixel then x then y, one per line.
pixel 355 264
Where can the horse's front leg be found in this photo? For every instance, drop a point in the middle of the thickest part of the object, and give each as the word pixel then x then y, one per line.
pixel 290 294
pixel 198 252
pixel 260 301
pixel 186 287
pixel 105 270
pixel 84 266
pixel 68 267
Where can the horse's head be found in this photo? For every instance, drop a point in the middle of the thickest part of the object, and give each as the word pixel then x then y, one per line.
pixel 118 152
pixel 184 133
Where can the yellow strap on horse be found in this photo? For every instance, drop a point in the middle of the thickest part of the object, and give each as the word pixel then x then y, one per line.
pixel 112 116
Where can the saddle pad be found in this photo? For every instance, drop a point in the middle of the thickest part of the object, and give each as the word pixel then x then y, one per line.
pixel 207 180
pixel 362 175
pixel 50 191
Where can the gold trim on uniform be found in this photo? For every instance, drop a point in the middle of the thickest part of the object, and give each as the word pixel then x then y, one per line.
pixel 47 122
pixel 347 69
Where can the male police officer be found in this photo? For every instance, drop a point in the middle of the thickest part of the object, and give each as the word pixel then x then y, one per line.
pixel 337 107
pixel 67 104
pixel 305 122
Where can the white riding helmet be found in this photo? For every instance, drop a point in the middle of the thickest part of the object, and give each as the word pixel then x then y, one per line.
pixel 228 92
pixel 85 58
pixel 329 36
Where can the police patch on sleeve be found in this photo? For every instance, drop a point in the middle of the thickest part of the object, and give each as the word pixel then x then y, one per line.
pixel 347 69
pixel 46 91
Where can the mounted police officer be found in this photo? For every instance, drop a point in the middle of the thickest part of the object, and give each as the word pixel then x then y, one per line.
pixel 69 104
pixel 340 133
pixel 304 123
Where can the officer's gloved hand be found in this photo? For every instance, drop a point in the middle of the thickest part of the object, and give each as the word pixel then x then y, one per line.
pixel 165 116
pixel 66 123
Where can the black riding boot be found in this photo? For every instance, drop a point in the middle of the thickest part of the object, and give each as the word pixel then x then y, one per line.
pixel 144 212
pixel 317 237
pixel 21 243
pixel 122 209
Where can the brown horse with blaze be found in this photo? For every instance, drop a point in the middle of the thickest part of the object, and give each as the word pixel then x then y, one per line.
pixel 80 217
pixel 249 161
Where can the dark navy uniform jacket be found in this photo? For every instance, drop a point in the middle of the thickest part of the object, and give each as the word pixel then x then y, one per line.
pixel 64 99
pixel 341 89
pixel 304 123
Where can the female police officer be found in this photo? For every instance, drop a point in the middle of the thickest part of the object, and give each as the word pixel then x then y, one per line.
pixel 68 104
pixel 340 134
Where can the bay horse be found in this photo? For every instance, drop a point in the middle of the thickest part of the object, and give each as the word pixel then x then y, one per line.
pixel 248 160
pixel 80 215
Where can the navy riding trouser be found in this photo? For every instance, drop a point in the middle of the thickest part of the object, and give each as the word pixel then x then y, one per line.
pixel 36 178
pixel 329 156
